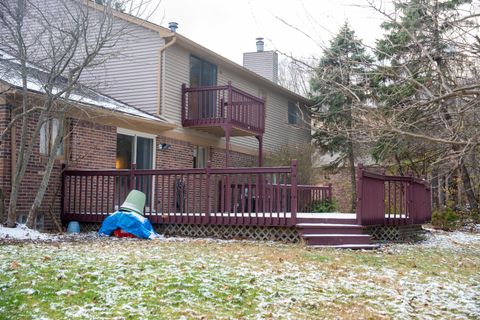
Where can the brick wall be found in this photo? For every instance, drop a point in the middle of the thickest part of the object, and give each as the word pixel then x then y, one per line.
pixel 88 146
pixel 5 154
pixel 237 159
pixel 92 146
pixel 180 155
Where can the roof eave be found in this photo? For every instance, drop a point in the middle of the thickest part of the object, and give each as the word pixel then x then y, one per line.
pixel 100 114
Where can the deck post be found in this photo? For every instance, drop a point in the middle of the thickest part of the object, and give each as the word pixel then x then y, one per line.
pixel 410 194
pixel 329 197
pixel 294 203
pixel 227 145
pixel 207 192
pixel 62 193
pixel 359 205
pixel 260 150
pixel 132 176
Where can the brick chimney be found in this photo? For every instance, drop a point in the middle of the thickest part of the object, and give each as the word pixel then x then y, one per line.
pixel 264 63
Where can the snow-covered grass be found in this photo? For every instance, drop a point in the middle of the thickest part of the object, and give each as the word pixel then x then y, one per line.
pixel 175 278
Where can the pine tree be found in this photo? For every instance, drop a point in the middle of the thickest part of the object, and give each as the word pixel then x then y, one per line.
pixel 339 83
pixel 422 58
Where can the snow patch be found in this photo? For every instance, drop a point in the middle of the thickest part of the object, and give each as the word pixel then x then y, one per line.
pixel 21 232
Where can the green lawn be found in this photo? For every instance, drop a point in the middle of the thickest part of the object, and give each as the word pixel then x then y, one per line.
pixel 205 279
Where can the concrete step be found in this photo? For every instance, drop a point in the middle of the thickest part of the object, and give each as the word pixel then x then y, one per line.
pixel 329 228
pixel 336 239
pixel 346 246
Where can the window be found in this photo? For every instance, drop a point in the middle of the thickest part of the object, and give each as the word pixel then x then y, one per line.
pixel 200 157
pixel 48 134
pixel 202 73
pixel 293 113
pixel 133 148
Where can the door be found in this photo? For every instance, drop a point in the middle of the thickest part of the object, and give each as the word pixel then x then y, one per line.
pixel 202 74
pixel 139 149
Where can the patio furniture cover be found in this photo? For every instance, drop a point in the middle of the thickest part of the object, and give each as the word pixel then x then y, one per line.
pixel 128 221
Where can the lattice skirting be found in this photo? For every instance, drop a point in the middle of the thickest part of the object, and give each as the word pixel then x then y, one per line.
pixel 283 234
pixel 396 233
pixel 89 226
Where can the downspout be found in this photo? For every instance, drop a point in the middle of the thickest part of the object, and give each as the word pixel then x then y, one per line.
pixel 161 75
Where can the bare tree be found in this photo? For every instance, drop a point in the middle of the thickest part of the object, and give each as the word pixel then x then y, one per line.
pixel 426 85
pixel 295 74
pixel 54 42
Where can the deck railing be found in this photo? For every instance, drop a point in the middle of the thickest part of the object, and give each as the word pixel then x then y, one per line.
pixel 311 197
pixel 217 105
pixel 227 196
pixel 391 200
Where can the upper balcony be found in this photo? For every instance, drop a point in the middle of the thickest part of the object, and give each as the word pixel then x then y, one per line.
pixel 216 109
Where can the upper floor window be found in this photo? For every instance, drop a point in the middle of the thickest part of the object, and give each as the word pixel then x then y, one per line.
pixel 202 73
pixel 48 134
pixel 293 113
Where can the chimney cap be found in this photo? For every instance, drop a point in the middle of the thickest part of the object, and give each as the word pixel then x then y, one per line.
pixel 260 44
pixel 173 26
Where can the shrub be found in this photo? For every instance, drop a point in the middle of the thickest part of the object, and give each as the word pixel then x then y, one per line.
pixel 445 218
pixel 325 206
pixel 283 156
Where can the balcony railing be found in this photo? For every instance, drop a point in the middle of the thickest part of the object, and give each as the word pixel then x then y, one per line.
pixel 216 106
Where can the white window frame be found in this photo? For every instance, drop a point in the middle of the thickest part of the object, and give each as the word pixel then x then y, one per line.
pixel 45 145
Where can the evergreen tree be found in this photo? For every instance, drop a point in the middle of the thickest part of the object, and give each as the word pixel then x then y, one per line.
pixel 421 61
pixel 338 85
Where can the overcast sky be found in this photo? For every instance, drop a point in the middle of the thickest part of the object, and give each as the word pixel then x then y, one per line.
pixel 229 27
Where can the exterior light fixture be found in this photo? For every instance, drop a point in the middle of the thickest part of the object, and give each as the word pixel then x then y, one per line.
pixel 164 146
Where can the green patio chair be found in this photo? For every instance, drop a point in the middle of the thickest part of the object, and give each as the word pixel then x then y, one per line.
pixel 135 202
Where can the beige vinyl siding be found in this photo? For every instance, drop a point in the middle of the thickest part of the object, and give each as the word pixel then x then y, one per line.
pixel 131 74
pixel 277 131
pixel 176 71
pixel 126 68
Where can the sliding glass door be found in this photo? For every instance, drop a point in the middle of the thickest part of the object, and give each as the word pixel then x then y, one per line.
pixel 202 74
pixel 139 149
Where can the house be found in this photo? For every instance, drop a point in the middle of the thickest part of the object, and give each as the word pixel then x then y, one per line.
pixel 212 108
pixel 218 106
pixel 184 125
pixel 90 134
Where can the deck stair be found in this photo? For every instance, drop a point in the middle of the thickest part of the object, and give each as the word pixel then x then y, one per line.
pixel 333 232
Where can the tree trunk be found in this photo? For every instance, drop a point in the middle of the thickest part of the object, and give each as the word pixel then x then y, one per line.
pixel 2 206
pixel 32 214
pixel 467 186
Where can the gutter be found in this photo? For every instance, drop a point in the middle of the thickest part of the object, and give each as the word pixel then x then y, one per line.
pixel 161 75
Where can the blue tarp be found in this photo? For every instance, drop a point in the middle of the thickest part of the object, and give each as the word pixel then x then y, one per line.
pixel 130 222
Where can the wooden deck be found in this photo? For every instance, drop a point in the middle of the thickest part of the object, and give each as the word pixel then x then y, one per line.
pixel 263 197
